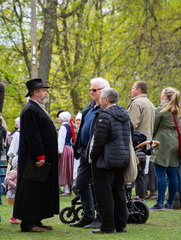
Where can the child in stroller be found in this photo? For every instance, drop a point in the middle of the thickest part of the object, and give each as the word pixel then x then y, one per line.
pixel 137 209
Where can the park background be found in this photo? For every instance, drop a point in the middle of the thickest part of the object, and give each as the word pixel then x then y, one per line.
pixel 121 40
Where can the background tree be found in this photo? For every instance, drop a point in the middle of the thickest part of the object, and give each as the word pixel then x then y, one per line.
pixel 121 40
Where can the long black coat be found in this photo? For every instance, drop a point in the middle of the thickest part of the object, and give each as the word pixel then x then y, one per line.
pixel 35 201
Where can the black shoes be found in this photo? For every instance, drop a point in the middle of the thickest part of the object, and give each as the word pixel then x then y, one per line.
pixel 121 230
pixel 95 224
pixel 81 223
pixel 101 231
pixel 110 231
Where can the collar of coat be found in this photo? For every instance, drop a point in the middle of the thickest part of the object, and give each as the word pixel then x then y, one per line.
pixel 138 96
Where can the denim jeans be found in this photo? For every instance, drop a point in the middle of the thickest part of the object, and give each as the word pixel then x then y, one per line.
pixel 1 179
pixel 179 178
pixel 166 176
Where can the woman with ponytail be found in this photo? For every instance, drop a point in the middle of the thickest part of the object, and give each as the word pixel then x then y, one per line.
pixel 166 156
pixel 66 135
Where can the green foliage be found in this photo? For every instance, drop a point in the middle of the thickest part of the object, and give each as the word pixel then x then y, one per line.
pixel 122 41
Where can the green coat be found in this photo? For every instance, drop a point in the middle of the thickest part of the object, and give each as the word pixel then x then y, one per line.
pixel 167 153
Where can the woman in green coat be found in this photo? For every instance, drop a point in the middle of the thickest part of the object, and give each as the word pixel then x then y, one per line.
pixel 166 156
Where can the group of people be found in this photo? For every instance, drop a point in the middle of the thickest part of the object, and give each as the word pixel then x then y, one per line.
pixel 106 168
pixel 102 147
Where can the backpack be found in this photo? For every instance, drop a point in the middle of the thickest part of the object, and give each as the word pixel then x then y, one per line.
pixel 138 138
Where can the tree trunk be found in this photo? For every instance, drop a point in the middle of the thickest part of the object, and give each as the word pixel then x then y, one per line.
pixel 47 40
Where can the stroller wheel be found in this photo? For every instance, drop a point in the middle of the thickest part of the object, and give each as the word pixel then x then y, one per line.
pixel 68 215
pixel 138 212
pixel 79 211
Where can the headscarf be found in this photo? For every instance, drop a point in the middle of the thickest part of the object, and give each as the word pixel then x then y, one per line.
pixel 78 116
pixel 66 117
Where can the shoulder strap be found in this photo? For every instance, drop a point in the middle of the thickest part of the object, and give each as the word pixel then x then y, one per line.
pixel 176 124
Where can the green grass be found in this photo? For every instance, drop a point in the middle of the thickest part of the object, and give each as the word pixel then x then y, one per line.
pixel 164 225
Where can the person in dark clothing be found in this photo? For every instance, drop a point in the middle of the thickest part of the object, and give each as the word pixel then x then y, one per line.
pixel 81 151
pixel 110 157
pixel 35 201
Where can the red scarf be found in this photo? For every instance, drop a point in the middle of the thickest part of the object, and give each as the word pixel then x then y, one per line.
pixel 72 130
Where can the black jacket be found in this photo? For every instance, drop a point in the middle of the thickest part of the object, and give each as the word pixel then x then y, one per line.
pixel 111 138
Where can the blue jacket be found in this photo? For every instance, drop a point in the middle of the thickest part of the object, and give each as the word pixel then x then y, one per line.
pixel 78 146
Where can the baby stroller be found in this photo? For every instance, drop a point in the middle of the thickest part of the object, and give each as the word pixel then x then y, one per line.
pixel 137 209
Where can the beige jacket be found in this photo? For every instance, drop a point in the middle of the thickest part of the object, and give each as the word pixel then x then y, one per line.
pixel 142 114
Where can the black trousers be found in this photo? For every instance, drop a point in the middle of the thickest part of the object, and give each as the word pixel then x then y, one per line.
pixel 110 196
pixel 141 182
pixel 83 182
pixel 26 225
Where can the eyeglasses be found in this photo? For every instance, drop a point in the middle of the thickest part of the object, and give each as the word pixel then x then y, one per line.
pixel 95 89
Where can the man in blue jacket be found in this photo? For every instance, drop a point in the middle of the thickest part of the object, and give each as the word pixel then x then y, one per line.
pixel 84 136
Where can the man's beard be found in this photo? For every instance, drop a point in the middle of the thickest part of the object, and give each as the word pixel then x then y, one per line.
pixel 42 101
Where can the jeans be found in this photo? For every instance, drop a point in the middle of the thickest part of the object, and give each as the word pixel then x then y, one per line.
pixel 1 179
pixel 83 182
pixel 166 176
pixel 179 178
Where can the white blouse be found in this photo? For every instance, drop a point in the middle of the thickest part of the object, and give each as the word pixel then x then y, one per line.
pixel 61 138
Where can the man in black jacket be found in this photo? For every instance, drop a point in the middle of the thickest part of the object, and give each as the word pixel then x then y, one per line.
pixel 110 156
pixel 81 151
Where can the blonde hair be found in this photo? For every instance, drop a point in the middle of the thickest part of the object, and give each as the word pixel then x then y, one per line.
pixel 173 96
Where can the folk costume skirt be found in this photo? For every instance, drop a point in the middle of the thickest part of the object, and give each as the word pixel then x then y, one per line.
pixel 65 166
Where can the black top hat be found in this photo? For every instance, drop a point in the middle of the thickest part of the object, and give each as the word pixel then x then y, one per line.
pixel 34 84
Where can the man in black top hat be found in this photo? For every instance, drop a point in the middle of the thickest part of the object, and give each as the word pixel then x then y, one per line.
pixel 35 201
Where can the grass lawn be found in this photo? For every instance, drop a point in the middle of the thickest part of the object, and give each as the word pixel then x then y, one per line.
pixel 160 225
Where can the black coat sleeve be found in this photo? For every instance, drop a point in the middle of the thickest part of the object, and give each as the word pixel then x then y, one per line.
pixel 101 135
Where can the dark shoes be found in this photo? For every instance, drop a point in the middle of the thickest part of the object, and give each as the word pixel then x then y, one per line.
pixel 168 207
pixel 111 231
pixel 95 224
pixel 157 207
pixel 34 229
pixel 46 227
pixel 121 230
pixel 101 231
pixel 81 223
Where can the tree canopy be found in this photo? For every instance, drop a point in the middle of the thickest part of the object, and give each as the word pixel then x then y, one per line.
pixel 77 40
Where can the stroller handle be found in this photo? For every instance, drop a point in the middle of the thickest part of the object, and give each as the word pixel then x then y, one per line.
pixel 153 143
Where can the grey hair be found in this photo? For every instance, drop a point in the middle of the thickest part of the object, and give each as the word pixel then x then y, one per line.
pixel 103 83
pixel 111 94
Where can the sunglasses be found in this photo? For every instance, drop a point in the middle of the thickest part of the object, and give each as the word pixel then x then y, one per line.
pixel 95 89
